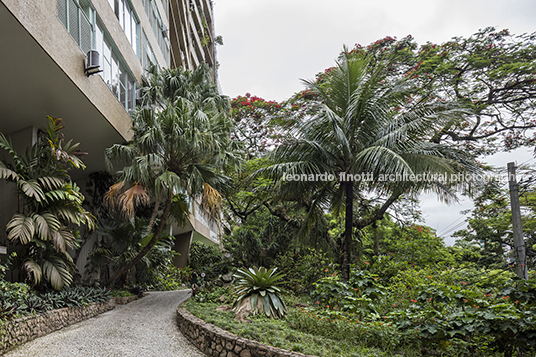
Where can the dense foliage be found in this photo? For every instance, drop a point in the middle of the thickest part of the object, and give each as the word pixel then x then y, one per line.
pixel 357 272
pixel 50 205
pixel 17 299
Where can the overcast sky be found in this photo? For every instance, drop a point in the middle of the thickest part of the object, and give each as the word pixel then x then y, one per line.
pixel 270 45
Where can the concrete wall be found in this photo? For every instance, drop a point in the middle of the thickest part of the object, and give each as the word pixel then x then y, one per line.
pixel 39 18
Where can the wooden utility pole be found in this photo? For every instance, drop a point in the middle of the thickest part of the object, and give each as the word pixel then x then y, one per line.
pixel 519 243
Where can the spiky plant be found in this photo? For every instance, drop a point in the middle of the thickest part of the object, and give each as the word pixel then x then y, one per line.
pixel 259 292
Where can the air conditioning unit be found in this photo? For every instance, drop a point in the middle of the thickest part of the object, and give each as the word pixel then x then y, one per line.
pixel 92 63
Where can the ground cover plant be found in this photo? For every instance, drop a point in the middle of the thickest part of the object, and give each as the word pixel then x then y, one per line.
pixel 279 333
pixel 420 311
pixel 18 299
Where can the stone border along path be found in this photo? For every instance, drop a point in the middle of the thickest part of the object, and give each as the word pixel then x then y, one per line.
pixel 144 328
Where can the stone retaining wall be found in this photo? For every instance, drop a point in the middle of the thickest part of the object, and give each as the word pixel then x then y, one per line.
pixel 27 328
pixel 215 341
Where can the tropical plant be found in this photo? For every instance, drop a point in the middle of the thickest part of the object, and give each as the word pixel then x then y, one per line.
pixel 181 140
pixel 258 292
pixel 365 124
pixel 49 204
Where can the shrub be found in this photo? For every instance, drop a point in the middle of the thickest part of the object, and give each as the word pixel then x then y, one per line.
pixel 338 325
pixel 19 300
pixel 359 295
pixel 12 297
pixel 441 313
pixel 303 268
pixel 121 293
pixel 213 293
pixel 209 260
pixel 173 278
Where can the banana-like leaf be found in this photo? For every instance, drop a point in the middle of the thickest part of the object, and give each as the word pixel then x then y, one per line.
pixel 62 239
pixel 33 270
pixel 8 174
pixel 32 189
pixel 43 229
pixel 50 182
pixel 56 272
pixel 21 228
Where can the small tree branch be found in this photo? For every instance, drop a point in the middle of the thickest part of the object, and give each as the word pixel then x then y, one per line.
pixel 282 214
pixel 377 215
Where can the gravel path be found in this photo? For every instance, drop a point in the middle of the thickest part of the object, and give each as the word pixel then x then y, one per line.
pixel 143 328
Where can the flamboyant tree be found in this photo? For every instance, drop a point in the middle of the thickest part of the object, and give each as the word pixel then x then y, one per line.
pixel 492 72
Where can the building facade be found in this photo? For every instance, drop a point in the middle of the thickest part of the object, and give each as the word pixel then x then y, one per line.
pixel 44 48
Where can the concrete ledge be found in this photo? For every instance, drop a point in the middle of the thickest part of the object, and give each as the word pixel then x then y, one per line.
pixel 215 341
pixel 16 332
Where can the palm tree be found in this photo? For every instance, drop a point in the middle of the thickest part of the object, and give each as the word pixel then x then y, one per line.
pixel 48 204
pixel 365 124
pixel 181 140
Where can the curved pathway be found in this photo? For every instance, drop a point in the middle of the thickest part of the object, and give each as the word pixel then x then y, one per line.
pixel 143 328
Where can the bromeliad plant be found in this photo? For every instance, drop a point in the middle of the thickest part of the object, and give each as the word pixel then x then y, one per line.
pixel 259 292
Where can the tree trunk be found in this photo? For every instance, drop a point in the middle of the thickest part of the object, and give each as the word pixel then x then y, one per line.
pixel 348 225
pixel 148 247
pixel 376 238
pixel 153 216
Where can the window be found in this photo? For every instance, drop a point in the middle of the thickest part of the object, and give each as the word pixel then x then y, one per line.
pixel 129 22
pixel 159 28
pixel 114 72
pixel 148 54
pixel 80 20
pixel 78 17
